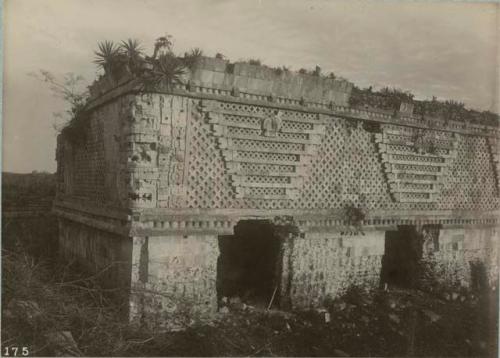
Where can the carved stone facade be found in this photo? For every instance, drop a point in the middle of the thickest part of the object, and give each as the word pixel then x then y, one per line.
pixel 160 175
pixel 416 161
pixel 266 151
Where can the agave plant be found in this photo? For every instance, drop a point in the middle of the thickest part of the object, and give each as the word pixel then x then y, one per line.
pixel 132 50
pixel 167 70
pixel 107 57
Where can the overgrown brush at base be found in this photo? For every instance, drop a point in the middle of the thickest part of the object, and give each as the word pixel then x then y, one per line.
pixel 396 322
pixel 59 301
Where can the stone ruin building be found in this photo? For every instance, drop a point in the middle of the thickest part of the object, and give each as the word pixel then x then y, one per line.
pixel 246 182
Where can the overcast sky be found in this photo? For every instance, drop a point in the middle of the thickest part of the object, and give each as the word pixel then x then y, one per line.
pixel 449 50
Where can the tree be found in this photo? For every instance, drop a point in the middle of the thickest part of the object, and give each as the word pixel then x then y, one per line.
pixel 71 89
pixel 163 42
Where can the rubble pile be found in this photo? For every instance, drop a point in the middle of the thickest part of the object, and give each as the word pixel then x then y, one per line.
pixel 393 322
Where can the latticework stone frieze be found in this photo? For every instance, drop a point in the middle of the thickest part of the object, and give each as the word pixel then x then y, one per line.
pixel 495 157
pixel 470 183
pixel 90 166
pixel 415 161
pixel 340 166
pixel 345 170
pixel 269 139
pixel 180 152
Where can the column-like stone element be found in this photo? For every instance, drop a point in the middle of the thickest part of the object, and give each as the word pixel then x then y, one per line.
pixel 174 280
pixel 317 266
pixel 137 284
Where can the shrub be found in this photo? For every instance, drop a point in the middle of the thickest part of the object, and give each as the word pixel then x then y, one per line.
pixel 353 215
pixel 391 98
pixel 167 70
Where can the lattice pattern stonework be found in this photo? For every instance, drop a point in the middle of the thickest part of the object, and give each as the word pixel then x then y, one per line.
pixel 415 161
pixel 169 151
pixel 235 160
pixel 266 151
pixel 495 157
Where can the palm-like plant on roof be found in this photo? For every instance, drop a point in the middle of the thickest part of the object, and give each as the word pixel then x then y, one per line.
pixel 107 56
pixel 132 50
pixel 167 70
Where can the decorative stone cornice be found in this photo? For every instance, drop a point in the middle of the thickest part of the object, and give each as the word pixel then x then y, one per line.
pixel 222 221
pixel 105 218
pixel 365 115
pixel 157 222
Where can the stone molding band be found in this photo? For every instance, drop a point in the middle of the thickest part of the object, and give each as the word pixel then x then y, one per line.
pixel 131 87
pixel 193 222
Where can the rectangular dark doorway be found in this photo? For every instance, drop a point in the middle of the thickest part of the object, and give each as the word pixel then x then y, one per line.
pixel 479 276
pixel 249 265
pixel 401 260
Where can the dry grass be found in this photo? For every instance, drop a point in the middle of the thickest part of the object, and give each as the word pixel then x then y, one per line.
pixel 66 303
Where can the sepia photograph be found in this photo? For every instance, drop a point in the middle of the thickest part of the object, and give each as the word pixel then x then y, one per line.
pixel 269 178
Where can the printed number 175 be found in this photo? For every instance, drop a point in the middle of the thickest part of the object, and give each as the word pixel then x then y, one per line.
pixel 15 351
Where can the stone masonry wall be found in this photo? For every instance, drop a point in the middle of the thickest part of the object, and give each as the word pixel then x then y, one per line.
pixel 450 254
pixel 174 279
pixel 323 265
pixel 259 82
pixel 91 167
pixel 97 251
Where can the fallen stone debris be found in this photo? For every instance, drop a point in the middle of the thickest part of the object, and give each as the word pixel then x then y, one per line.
pixel 391 322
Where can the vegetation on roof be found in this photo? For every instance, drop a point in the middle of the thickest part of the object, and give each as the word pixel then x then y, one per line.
pixel 390 99
pixel 127 60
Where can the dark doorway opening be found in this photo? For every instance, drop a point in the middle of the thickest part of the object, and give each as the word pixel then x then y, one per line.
pixel 249 265
pixel 479 276
pixel 401 260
